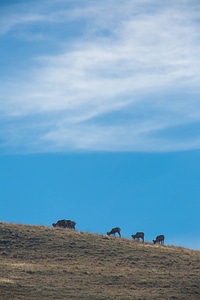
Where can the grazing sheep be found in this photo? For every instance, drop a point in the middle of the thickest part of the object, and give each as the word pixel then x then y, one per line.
pixel 138 235
pixel 114 230
pixel 65 224
pixel 159 239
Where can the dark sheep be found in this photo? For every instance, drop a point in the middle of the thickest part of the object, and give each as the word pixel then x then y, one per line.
pixel 159 239
pixel 114 231
pixel 65 224
pixel 138 235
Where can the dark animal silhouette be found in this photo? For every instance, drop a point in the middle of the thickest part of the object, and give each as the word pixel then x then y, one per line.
pixel 159 239
pixel 65 224
pixel 138 235
pixel 114 230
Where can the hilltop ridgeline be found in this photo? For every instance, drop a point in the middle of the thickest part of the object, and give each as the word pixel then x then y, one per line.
pixel 68 224
pixel 38 262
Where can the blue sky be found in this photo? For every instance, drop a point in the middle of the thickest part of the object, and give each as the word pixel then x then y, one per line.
pixel 100 115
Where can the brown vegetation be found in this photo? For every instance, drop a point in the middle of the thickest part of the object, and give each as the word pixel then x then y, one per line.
pixel 38 262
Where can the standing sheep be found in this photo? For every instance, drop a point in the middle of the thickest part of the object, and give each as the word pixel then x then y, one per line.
pixel 114 230
pixel 159 239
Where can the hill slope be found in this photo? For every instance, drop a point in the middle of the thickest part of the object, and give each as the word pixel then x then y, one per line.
pixel 38 262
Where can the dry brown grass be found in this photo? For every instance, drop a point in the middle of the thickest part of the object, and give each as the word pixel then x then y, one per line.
pixel 38 262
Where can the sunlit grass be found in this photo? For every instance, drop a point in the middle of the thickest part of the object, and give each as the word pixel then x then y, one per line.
pixel 38 262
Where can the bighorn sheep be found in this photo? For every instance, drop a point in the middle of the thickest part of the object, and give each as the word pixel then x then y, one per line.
pixel 159 239
pixel 138 235
pixel 114 230
pixel 65 224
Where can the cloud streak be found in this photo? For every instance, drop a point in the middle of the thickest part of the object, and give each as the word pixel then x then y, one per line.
pixel 121 82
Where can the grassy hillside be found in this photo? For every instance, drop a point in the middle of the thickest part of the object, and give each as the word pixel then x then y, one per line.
pixel 38 262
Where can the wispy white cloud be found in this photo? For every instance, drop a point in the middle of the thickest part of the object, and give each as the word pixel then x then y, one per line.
pixel 120 83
